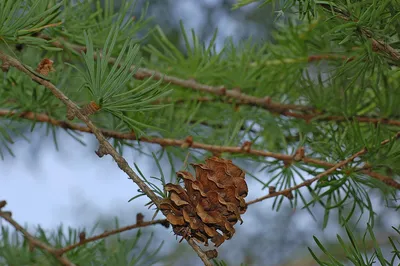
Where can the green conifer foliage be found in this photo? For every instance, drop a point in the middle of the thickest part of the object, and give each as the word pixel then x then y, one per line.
pixel 312 117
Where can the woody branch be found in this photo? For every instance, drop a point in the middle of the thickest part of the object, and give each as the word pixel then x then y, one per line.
pixel 302 112
pixel 306 113
pixel 105 147
pixel 188 142
pixel 139 223
pixel 33 241
pixel 59 253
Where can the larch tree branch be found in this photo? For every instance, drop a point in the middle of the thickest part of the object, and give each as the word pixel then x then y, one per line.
pixel 189 143
pixel 138 224
pixel 308 182
pixel 307 113
pixel 377 45
pixel 105 146
pixel 33 241
pixel 74 110
pixel 332 169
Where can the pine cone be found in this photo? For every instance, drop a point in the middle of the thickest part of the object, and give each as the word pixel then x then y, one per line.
pixel 212 201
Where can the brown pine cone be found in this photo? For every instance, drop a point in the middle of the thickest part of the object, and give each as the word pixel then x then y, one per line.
pixel 211 201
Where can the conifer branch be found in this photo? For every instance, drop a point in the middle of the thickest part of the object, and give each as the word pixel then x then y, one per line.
pixel 306 59
pixel 381 46
pixel 369 245
pixel 105 234
pixel 33 241
pixel 164 142
pixel 306 113
pixel 203 255
pixel 377 45
pixel 308 182
pixel 105 146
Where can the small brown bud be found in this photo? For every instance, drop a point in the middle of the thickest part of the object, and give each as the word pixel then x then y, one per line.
pixel 289 195
pixel 299 155
pixel 90 108
pixel 5 66
pixel 188 142
pixel 139 218
pixel 70 114
pixel 82 236
pixel 211 254
pixel 101 151
pixel 45 67
pixel 246 146
pixel 271 189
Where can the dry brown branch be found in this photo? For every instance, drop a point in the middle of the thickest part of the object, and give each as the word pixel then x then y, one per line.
pixel 203 255
pixel 195 145
pixel 105 146
pixel 387 180
pixel 377 45
pixel 306 113
pixel 40 117
pixel 384 179
pixel 34 242
pixel 311 180
pixel 109 233
pixel 381 46
pixel 285 110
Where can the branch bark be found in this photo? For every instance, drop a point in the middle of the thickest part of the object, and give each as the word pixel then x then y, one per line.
pixel 33 241
pixel 200 252
pixel 72 108
pixel 105 146
pixel 163 142
pixel 308 182
pixel 109 233
pixel 306 113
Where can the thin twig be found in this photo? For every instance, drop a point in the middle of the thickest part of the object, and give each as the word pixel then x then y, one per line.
pixel 384 179
pixel 109 233
pixel 377 45
pixel 40 117
pixel 274 62
pixel 33 241
pixel 388 181
pixel 307 113
pixel 308 182
pixel 195 145
pixel 381 46
pixel 199 252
